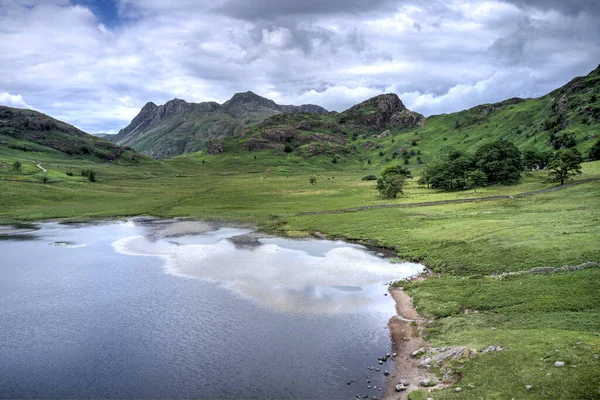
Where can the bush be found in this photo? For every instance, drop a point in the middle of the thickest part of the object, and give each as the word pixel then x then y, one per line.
pixel 69 173
pixel 369 178
pixel 287 149
pixel 391 181
pixel 92 176
pixel 17 166
pixel 594 152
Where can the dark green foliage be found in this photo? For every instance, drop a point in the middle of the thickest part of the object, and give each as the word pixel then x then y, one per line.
pixel 391 181
pixel 369 178
pixel 92 176
pixel 380 153
pixel 476 179
pixel 562 141
pixel 44 179
pixel 565 164
pixel 500 161
pixel 17 166
pixel 313 180
pixel 534 159
pixel 594 152
pixel 287 149
pixel 369 162
pixel 334 160
pixel 414 143
pixel 69 173
pixel 406 161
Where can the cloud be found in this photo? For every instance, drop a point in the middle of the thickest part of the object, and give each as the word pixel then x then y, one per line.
pixel 70 62
pixel 10 100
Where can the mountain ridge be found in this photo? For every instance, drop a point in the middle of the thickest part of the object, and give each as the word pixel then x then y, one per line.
pixel 179 127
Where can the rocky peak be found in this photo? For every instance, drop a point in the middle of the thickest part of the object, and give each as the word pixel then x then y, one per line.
pixel 249 98
pixel 381 111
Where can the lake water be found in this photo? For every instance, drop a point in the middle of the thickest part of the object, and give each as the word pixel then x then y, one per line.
pixel 179 309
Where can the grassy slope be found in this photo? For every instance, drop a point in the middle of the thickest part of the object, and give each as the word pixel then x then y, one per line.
pixel 572 109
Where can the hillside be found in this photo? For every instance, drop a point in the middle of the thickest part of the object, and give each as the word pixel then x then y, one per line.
pixel 33 132
pixel 179 127
pixel 382 129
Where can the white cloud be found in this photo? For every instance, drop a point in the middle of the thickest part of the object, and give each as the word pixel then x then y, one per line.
pixel 16 101
pixel 70 64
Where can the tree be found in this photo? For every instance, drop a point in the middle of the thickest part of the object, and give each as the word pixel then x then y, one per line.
pixel 534 159
pixel 565 164
pixel 313 180
pixel 476 179
pixel 17 166
pixel 594 152
pixel 500 161
pixel 391 181
pixel 92 176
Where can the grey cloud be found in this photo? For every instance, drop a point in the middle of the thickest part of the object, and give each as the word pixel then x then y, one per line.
pixel 269 9
pixel 567 7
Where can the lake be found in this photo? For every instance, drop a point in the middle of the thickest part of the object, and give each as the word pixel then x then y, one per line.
pixel 178 309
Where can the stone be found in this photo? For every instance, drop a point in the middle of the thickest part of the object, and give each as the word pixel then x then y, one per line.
pixel 404 382
pixel 386 373
pixel 215 147
pixel 380 362
pixel 427 383
pixel 559 364
pixel 394 354
pixel 458 389
pixel 400 387
pixel 418 353
pixel 528 387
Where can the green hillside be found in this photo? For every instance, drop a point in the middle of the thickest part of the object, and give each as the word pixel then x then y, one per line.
pixel 31 132
pixel 366 136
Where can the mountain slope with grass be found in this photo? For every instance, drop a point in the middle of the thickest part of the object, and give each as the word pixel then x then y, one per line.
pixel 381 129
pixel 28 131
pixel 179 127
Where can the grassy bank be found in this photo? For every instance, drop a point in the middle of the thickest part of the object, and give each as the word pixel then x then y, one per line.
pixel 537 319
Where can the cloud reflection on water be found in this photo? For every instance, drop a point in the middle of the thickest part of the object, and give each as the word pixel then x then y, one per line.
pixel 299 276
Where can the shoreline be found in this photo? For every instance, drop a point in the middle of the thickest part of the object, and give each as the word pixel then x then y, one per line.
pixel 406 331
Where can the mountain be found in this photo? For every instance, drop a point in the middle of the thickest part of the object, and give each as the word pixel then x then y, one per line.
pixel 179 127
pixel 32 131
pixel 382 128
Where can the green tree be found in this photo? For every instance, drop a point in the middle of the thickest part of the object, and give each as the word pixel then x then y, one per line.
pixel 476 179
pixel 313 180
pixel 534 159
pixel 594 152
pixel 565 164
pixel 391 181
pixel 500 161
pixel 92 176
pixel 17 166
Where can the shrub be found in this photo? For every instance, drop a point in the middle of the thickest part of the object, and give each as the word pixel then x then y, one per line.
pixel 92 176
pixel 369 178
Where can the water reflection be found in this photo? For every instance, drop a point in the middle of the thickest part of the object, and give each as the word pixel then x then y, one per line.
pixel 300 276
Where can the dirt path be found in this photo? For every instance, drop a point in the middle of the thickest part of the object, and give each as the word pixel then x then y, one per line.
pixel 406 329
pixel 456 201
pixel 44 170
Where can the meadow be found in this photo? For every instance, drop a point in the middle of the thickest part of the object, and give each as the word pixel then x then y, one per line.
pixel 537 319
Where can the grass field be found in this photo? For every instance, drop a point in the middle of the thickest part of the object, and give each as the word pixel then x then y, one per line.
pixel 537 319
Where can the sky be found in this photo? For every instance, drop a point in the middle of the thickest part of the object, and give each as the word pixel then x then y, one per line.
pixel 95 63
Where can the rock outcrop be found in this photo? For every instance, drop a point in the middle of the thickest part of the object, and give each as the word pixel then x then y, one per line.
pixel 178 127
